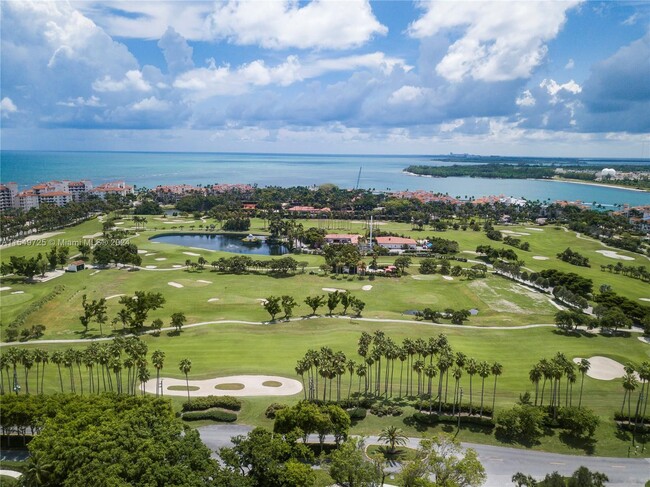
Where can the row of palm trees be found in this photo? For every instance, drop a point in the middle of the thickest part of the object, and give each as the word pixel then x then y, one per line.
pixel 630 384
pixel 104 365
pixel 421 360
pixel 553 371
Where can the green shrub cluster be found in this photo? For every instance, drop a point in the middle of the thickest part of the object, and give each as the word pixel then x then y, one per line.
pixel 273 408
pixel 357 414
pixel 432 419
pixel 203 403
pixel 386 410
pixel 449 409
pixel 210 414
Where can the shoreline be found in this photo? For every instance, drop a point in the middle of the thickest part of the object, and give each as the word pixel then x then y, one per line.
pixel 586 183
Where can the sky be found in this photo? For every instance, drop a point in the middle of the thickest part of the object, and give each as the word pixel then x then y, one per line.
pixel 550 78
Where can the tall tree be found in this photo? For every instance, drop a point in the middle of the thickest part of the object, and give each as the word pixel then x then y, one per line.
pixel 158 361
pixel 496 370
pixel 185 366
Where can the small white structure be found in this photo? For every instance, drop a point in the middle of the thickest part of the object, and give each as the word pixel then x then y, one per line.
pixel 608 172
pixel 76 266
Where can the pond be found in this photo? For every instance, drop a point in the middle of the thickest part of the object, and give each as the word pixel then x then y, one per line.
pixel 221 242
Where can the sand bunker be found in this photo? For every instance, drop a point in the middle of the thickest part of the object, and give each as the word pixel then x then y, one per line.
pixel 204 282
pixel 142 251
pixel 160 259
pixel 120 223
pixel 448 278
pixel 192 254
pixel 534 229
pixel 149 254
pixel 94 235
pixel 18 292
pixel 176 266
pixel 151 267
pixel 470 252
pixel 262 301
pixel 614 255
pixel 175 284
pixel 539 257
pixel 253 385
pixel 645 299
pixel 515 234
pixel 333 290
pixel 213 300
pixel 6 288
pixel 367 287
pixel 603 368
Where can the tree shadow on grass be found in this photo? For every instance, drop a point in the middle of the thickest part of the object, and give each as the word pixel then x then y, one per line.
pixel 587 445
pixel 574 334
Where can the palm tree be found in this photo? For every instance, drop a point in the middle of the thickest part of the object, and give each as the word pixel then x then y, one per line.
pixel 392 436
pixel 37 472
pixel 301 367
pixel 583 367
pixel 497 370
pixel 144 376
pixel 27 360
pixel 351 366
pixel 57 359
pixel 472 369
pixel 535 375
pixel 629 384
pixel 484 373
pixel 68 363
pixel 40 357
pixel 158 360
pixel 457 373
pixel 185 366
pixel 402 356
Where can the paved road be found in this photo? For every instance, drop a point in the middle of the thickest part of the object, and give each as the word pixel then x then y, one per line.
pixel 500 463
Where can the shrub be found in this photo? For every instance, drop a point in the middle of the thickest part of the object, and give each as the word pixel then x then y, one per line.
pixel 203 403
pixel 386 410
pixel 523 423
pixel 273 408
pixel 357 414
pixel 211 414
pixel 580 422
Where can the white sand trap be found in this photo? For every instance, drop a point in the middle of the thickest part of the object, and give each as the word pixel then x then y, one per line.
pixel 534 229
pixel 142 251
pixel 448 278
pixel 603 368
pixel 175 284
pixel 160 259
pixel 114 296
pixel 94 235
pixel 516 234
pixel 151 267
pixel 470 252
pixel 645 299
pixel 93 273
pixel 213 300
pixel 120 223
pixel 333 290
pixel 204 282
pixel 539 257
pixel 262 301
pixel 149 254
pixel 176 266
pixel 6 288
pixel 614 255
pixel 367 287
pixel 18 292
pixel 253 386
pixel 192 254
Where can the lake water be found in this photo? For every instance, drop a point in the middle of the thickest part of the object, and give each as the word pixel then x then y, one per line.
pixel 221 242
pixel 381 173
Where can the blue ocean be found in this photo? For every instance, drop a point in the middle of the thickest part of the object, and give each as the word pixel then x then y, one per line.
pixel 377 172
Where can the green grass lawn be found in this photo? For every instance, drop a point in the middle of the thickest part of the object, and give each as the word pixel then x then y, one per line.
pixel 273 349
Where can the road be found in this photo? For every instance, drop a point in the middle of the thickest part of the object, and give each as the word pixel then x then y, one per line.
pixel 500 463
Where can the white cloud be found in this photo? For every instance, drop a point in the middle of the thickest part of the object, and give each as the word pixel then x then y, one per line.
pixel 570 64
pixel 7 107
pixel 553 87
pixel 499 41
pixel 177 52
pixel 526 99
pixel 80 101
pixel 151 104
pixel 223 80
pixel 406 94
pixel 632 19
pixel 319 24
pixel 132 80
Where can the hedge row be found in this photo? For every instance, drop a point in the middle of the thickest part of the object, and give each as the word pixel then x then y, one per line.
pixel 431 419
pixel 448 408
pixel 203 403
pixel 211 414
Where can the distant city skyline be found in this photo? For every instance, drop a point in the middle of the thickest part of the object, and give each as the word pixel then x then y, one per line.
pixel 520 78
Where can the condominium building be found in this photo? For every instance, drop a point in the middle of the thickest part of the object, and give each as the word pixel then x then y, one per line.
pixel 7 194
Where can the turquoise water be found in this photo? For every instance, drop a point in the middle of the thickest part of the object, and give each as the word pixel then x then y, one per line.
pixel 378 172
pixel 224 243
